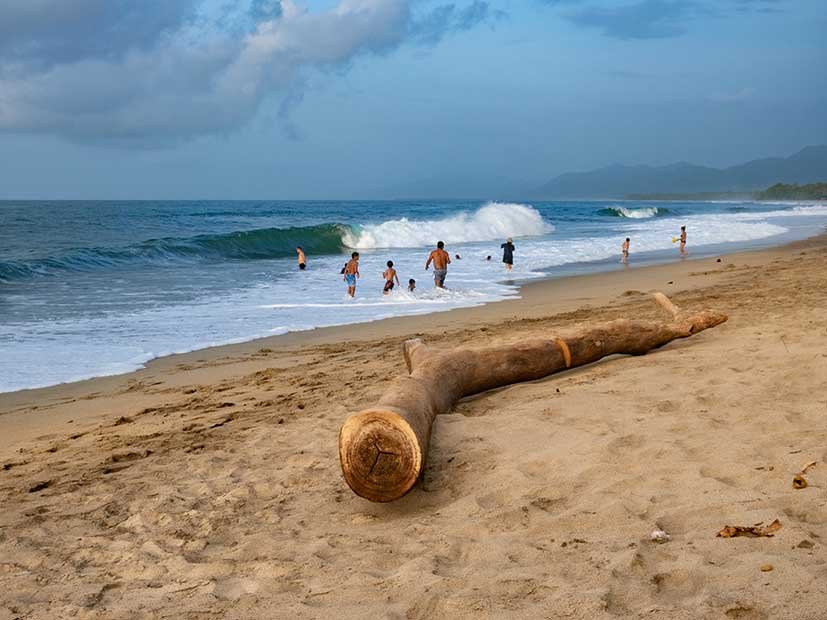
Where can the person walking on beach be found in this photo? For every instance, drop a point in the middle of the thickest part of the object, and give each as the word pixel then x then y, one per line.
pixel 390 275
pixel 625 250
pixel 441 260
pixel 683 240
pixel 351 272
pixel 508 254
pixel 302 258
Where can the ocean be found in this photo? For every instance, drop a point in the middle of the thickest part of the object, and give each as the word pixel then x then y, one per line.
pixel 99 288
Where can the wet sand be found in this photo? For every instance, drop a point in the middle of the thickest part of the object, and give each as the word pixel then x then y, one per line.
pixel 208 484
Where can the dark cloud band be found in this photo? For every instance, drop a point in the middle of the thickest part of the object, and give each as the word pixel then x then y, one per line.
pixel 162 71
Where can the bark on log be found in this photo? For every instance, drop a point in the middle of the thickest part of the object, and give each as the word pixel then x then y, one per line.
pixel 383 449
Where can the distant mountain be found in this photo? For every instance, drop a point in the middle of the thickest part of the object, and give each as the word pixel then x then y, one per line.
pixel 809 165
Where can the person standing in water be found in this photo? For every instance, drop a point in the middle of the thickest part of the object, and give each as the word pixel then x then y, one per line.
pixel 351 272
pixel 683 240
pixel 441 260
pixel 625 250
pixel 508 254
pixel 389 275
pixel 302 258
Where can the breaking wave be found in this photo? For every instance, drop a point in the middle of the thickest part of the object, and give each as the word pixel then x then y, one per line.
pixel 641 213
pixel 491 222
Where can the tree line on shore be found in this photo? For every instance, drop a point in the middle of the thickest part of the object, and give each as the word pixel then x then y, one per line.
pixel 779 191
pixel 784 191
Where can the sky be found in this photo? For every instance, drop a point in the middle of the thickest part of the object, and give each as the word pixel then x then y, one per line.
pixel 369 99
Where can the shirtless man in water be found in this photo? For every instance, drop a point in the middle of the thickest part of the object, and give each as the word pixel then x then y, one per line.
pixel 351 273
pixel 302 258
pixel 441 260
pixel 625 250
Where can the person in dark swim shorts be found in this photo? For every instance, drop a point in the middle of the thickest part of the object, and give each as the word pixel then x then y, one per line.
pixel 390 276
pixel 302 258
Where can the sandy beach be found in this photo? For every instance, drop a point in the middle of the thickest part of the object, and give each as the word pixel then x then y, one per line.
pixel 208 485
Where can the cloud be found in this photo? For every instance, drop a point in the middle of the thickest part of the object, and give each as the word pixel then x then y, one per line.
pixel 56 31
pixel 447 19
pixel 559 2
pixel 646 19
pixel 261 10
pixel 164 71
pixel 758 6
pixel 653 19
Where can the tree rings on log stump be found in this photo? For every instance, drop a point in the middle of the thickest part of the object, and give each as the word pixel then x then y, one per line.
pixel 380 455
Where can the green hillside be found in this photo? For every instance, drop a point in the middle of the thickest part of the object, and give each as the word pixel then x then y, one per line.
pixel 784 191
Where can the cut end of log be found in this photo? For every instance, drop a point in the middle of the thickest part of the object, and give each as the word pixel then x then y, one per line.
pixel 380 455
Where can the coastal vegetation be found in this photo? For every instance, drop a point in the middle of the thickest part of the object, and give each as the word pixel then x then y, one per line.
pixel 779 191
pixel 784 191
pixel 692 196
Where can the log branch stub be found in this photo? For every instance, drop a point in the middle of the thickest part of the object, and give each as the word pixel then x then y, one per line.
pixel 664 302
pixel 383 450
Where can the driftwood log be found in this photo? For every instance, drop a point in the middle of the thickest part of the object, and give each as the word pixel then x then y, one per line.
pixel 383 449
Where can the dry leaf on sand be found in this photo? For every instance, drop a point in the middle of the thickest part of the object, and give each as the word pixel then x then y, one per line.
pixel 751 531
pixel 799 482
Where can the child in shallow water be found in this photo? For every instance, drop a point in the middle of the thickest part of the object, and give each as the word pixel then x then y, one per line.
pixel 411 285
pixel 390 275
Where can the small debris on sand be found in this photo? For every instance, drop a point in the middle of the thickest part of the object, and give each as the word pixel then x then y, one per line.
pixel 799 482
pixel 750 531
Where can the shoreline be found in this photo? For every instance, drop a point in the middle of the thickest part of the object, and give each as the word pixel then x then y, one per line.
pixel 130 350
pixel 541 297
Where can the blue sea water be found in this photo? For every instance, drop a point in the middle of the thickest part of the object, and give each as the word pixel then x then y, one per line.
pixel 98 288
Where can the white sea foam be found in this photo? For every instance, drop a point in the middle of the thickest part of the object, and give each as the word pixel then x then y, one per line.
pixel 491 222
pixel 799 210
pixel 281 299
pixel 641 213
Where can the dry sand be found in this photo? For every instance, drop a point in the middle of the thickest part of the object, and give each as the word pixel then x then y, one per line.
pixel 208 485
